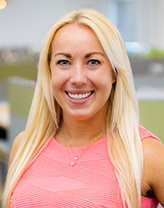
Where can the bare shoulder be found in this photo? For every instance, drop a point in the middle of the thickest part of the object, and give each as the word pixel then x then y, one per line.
pixel 153 154
pixel 15 147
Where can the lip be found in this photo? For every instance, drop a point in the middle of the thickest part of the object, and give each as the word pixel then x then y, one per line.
pixel 80 101
pixel 78 91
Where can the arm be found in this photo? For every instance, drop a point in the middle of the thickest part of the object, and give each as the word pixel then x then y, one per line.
pixel 15 147
pixel 153 153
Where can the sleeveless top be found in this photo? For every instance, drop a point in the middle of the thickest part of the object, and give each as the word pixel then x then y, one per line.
pixel 50 182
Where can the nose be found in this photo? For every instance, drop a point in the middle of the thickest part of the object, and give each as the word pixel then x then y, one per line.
pixel 78 76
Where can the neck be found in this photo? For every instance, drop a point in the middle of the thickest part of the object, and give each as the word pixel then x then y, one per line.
pixel 80 133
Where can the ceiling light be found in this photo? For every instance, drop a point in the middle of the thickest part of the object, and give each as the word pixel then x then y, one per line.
pixel 3 4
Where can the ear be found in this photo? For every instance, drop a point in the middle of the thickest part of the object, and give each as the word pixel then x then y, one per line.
pixel 115 74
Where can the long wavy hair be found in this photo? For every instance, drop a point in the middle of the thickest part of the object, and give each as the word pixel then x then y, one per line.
pixel 124 149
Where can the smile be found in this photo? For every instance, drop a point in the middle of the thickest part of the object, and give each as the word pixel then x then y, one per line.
pixel 79 96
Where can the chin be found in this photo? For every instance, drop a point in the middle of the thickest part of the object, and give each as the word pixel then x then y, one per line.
pixel 80 117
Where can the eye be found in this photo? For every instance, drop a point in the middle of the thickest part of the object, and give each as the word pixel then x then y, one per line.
pixel 93 62
pixel 63 62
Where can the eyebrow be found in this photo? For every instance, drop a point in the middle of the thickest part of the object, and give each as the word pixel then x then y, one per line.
pixel 86 56
pixel 92 53
pixel 64 54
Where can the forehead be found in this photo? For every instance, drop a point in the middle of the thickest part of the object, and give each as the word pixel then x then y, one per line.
pixel 74 34
pixel 74 28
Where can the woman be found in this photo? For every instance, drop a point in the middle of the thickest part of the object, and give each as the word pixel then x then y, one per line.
pixel 83 146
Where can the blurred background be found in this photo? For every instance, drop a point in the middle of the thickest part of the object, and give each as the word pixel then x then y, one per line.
pixel 23 26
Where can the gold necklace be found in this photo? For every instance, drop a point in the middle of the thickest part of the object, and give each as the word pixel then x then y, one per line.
pixel 82 152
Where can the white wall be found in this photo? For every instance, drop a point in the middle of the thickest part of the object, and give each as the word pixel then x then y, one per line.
pixel 26 23
pixel 151 22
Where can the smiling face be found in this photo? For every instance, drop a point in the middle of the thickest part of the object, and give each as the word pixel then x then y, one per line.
pixel 81 73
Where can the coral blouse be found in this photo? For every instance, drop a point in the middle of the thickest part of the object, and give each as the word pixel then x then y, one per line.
pixel 51 182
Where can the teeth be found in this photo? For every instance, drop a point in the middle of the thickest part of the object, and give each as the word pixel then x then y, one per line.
pixel 79 96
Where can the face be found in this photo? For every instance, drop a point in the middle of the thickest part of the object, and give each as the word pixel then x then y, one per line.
pixel 81 73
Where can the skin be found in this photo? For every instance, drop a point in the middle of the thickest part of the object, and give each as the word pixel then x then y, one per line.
pixel 79 65
pixel 153 177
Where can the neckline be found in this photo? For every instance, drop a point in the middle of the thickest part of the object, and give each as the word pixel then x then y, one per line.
pixel 80 147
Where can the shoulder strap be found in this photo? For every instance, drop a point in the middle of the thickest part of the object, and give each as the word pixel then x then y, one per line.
pixel 144 133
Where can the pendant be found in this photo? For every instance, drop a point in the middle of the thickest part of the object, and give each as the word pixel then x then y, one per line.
pixel 72 164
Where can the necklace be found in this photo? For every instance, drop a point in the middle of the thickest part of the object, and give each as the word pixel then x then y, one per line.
pixel 83 151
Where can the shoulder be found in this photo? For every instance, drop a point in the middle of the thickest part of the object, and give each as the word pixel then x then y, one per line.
pixel 153 177
pixel 15 147
pixel 153 150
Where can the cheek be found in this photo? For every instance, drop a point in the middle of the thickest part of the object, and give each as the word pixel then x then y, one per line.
pixel 55 82
pixel 56 86
pixel 57 79
pixel 58 82
pixel 105 79
pixel 106 86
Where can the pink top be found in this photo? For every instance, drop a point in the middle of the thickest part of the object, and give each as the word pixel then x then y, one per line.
pixel 50 181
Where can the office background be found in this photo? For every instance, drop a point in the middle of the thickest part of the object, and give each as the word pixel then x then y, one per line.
pixel 23 26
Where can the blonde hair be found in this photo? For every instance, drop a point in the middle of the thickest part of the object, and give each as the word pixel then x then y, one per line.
pixel 125 150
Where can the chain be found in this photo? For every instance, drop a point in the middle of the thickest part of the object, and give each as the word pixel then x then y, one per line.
pixel 82 152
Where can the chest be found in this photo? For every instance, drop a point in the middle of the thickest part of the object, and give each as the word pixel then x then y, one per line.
pixel 50 180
